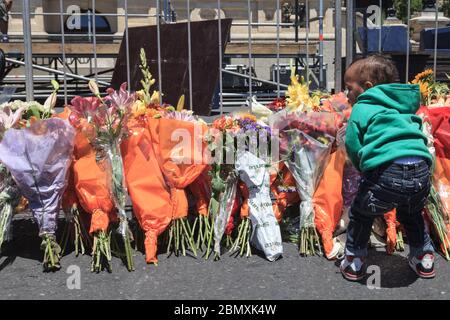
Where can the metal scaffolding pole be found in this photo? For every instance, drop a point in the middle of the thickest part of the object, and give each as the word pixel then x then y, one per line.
pixel 27 49
pixel 381 26
pixel 349 38
pixel 250 62
pixel 63 45
pixel 338 47
pixel 189 53
pixel 408 40
pixel 127 45
pixel 50 70
pixel 158 35
pixel 278 47
pixel 220 57
pixel 436 28
pixel 307 41
pixel 321 75
pixel 94 41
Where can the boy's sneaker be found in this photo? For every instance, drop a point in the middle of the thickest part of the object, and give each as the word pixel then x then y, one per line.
pixel 352 268
pixel 4 38
pixel 423 265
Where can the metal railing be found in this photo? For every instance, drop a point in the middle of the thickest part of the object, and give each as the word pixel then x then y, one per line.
pixel 350 27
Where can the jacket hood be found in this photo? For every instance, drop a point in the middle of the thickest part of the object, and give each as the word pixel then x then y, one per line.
pixel 405 98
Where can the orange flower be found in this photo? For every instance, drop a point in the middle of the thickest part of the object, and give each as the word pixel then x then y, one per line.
pixel 222 123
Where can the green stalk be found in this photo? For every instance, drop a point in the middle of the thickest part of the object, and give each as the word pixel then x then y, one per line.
pixel 170 239
pixel 199 242
pixel 129 253
pixel 399 245
pixel 188 236
pixel 436 211
pixel 51 253
pixel 101 252
pixel 238 238
pixel 177 243
pixel 210 237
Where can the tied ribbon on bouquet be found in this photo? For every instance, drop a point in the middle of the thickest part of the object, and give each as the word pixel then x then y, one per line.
pixel 109 119
pixel 38 158
pixel 266 235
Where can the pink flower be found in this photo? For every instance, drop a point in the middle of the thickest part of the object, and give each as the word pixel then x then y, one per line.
pixel 84 107
pixel 183 115
pixel 122 99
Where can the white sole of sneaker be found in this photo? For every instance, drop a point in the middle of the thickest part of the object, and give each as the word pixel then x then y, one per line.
pixel 351 277
pixel 422 275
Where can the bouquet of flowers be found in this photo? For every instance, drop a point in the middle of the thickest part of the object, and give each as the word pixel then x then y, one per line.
pixel 38 158
pixel 266 235
pixel 306 144
pixel 328 202
pixel 436 127
pixel 181 164
pixel 94 195
pixel 74 227
pixel 434 94
pixel 9 193
pixel 221 145
pixel 284 190
pixel 149 194
pixel 337 103
pixel 253 141
pixel 108 121
pixel 201 189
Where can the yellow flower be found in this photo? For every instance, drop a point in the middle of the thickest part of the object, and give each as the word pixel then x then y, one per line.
pixel 139 108
pixel 424 89
pixel 155 98
pixel 245 115
pixel 140 94
pixel 298 97
pixel 423 76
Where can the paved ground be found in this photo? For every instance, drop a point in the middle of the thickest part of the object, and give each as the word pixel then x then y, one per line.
pixel 292 277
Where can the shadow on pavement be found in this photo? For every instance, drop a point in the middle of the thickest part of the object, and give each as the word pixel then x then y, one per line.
pixel 394 270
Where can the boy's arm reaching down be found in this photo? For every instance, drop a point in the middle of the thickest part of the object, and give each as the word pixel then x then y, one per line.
pixel 353 142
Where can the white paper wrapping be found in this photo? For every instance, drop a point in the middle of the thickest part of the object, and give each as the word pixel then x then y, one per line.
pixel 266 235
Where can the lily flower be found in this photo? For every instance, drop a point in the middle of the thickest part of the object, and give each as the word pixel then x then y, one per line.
pixel 9 118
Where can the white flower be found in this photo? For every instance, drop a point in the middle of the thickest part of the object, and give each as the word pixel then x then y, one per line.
pixel 9 118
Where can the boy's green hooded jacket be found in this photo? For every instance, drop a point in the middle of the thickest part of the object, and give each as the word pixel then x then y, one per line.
pixel 383 126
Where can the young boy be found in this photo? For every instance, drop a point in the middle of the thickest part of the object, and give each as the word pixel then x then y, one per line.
pixel 384 141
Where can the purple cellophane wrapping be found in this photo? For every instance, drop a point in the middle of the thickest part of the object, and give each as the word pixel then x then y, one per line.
pixel 38 158
pixel 350 184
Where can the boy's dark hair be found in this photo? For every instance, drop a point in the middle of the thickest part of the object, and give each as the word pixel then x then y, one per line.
pixel 376 69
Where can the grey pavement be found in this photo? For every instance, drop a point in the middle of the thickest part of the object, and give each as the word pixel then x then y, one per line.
pixel 292 277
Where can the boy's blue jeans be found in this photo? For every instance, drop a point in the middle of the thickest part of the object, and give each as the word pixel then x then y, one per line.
pixel 405 187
